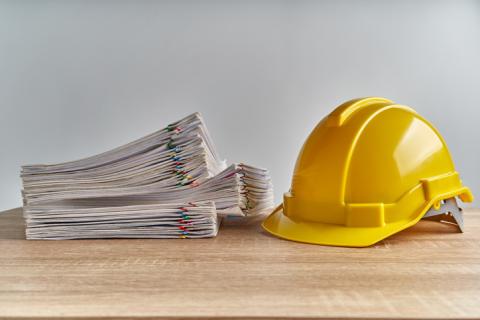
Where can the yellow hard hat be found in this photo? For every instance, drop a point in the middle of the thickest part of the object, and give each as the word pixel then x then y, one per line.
pixel 370 169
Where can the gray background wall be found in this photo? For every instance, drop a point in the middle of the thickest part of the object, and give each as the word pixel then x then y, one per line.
pixel 80 77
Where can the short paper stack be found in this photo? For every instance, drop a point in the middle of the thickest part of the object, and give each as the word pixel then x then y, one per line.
pixel 170 184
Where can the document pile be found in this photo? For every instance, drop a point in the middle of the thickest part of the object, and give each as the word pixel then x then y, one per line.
pixel 170 184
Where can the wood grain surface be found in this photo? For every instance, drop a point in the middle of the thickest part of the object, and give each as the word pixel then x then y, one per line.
pixel 427 271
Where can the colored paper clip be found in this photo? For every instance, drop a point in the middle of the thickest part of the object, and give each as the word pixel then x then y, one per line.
pixel 172 127
pixel 194 183
pixel 170 144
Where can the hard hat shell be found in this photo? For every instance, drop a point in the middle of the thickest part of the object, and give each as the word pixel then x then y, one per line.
pixel 370 169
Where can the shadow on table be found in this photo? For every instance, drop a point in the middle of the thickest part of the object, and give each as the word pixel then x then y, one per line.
pixel 12 225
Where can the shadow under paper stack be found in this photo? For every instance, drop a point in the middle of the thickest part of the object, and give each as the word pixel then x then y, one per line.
pixel 170 184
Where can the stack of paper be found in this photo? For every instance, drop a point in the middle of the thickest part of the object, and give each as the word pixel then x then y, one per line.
pixel 194 220
pixel 181 154
pixel 171 168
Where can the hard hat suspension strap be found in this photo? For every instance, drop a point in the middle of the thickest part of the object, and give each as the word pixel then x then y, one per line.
pixel 449 212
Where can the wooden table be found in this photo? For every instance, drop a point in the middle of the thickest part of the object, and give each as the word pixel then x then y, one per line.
pixel 428 271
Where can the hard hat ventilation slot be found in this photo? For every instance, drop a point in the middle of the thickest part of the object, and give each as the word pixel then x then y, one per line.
pixel 448 212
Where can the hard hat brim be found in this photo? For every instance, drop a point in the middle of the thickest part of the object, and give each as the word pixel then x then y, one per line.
pixel 329 234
